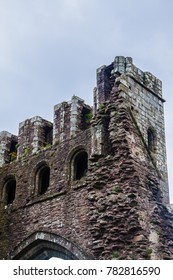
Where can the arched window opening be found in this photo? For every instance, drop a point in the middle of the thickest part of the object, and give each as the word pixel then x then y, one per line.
pixel 151 140
pixel 43 179
pixel 10 191
pixel 80 165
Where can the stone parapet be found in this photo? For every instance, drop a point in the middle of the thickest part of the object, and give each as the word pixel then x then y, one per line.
pixel 34 134
pixel 106 76
pixel 70 118
pixel 124 65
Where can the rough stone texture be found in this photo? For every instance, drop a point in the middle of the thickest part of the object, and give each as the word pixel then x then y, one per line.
pixel 34 134
pixel 119 208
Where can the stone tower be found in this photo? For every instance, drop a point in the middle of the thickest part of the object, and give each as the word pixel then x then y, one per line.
pixel 93 184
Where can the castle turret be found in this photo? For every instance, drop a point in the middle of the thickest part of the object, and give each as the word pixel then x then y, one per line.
pixel 143 93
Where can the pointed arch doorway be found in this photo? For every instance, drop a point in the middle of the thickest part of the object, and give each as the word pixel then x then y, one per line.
pixel 44 246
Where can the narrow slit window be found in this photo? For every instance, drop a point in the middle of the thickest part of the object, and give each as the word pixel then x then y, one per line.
pixel 43 179
pixel 48 135
pixel 86 117
pixel 151 140
pixel 13 150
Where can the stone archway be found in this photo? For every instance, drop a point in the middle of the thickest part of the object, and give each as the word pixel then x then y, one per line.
pixel 44 245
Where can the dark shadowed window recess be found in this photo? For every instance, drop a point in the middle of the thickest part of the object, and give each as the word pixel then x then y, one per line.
pixel 43 178
pixel 48 135
pixel 86 117
pixel 10 191
pixel 80 165
pixel 13 150
pixel 151 140
pixel 13 146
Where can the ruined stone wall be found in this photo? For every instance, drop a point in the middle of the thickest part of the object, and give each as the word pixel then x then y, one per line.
pixel 117 209
pixel 143 91
pixel 128 222
pixel 61 210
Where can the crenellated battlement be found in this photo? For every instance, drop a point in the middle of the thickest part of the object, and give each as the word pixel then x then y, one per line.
pixel 121 65
pixel 36 133
pixel 124 65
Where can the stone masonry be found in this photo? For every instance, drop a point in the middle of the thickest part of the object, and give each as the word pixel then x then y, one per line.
pixel 93 184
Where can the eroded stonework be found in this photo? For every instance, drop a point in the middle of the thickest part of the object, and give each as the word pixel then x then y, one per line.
pixel 92 185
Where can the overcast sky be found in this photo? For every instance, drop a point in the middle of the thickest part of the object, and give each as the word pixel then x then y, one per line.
pixel 50 50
